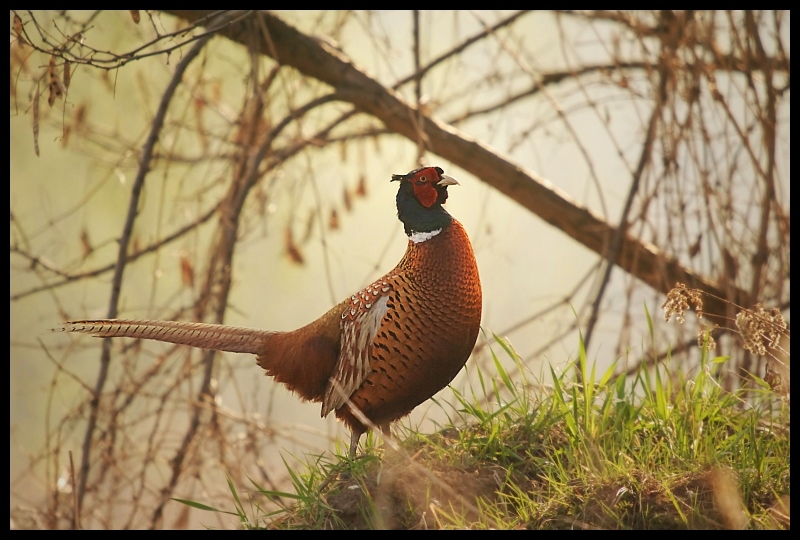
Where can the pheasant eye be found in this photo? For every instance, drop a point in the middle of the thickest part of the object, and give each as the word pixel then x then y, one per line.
pixel 423 179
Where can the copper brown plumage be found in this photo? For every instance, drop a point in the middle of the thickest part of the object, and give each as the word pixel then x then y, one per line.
pixel 383 350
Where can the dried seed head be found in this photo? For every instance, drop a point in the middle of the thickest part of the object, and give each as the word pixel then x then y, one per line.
pixel 679 299
pixel 710 344
pixel 760 328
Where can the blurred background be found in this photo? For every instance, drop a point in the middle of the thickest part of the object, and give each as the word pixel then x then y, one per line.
pixel 252 188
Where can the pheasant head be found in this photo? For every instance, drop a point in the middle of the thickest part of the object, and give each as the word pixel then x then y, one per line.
pixel 420 198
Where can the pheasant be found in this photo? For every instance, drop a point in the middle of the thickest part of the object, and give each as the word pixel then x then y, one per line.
pixel 379 353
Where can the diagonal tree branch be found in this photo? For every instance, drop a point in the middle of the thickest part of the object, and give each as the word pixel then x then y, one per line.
pixel 315 58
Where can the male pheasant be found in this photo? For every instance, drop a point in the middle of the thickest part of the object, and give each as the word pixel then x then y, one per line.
pixel 383 350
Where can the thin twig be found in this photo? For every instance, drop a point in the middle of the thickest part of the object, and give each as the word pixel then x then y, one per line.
pixel 116 284
pixel 76 515
pixel 612 255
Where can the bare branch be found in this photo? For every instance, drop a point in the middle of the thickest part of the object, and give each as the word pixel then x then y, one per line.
pixel 318 60
pixel 144 167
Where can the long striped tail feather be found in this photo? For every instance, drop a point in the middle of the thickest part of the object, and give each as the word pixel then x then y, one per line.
pixel 202 335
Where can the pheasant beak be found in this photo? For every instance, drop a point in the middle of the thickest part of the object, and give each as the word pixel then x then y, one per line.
pixel 447 181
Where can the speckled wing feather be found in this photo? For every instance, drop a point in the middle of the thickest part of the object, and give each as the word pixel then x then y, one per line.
pixel 361 320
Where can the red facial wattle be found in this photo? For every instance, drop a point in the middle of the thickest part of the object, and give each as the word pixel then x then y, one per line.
pixel 425 193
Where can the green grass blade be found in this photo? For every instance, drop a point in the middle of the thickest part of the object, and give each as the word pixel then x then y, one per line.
pixel 204 507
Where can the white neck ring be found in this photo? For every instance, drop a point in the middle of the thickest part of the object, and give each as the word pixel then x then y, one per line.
pixel 419 237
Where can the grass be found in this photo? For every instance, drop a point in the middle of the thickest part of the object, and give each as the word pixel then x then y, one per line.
pixel 660 450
